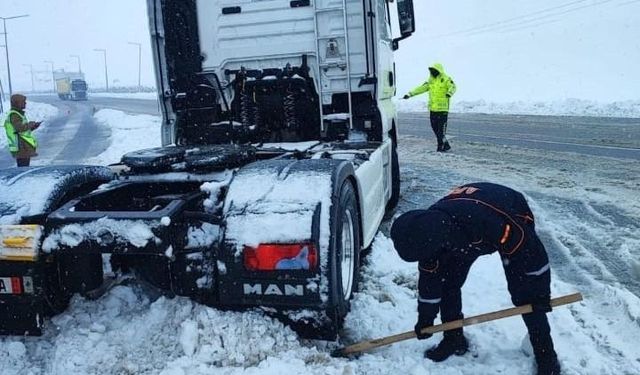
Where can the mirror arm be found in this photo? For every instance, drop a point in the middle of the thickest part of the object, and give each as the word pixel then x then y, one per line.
pixel 395 43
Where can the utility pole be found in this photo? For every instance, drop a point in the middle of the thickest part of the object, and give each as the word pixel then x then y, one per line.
pixel 6 46
pixel 53 79
pixel 79 65
pixel 33 85
pixel 106 74
pixel 2 94
pixel 1 97
pixel 139 62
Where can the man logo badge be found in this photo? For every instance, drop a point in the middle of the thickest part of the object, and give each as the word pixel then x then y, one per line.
pixel 273 290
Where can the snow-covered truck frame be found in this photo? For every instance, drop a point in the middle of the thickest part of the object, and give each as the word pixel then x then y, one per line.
pixel 278 165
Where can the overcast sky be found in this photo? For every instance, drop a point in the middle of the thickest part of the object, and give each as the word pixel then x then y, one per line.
pixel 499 50
pixel 56 29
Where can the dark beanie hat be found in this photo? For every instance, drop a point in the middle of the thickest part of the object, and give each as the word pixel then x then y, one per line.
pixel 420 235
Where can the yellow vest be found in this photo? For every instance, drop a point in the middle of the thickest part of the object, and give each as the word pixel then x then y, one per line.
pixel 12 135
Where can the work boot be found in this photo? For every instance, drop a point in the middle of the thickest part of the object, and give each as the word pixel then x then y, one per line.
pixel 453 342
pixel 549 367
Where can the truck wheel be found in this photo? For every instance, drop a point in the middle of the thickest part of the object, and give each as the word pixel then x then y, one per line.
pixel 395 178
pixel 344 259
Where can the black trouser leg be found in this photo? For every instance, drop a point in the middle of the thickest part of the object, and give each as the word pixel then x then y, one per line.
pixel 525 286
pixel 23 162
pixel 454 278
pixel 454 342
pixel 540 337
pixel 438 122
pixel 445 143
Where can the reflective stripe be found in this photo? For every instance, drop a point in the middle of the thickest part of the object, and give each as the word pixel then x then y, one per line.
pixel 430 270
pixel 539 272
pixel 505 235
pixel 432 301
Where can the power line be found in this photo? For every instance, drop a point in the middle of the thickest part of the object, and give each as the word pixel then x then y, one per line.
pixel 629 3
pixel 518 28
pixel 541 18
pixel 509 20
pixel 508 24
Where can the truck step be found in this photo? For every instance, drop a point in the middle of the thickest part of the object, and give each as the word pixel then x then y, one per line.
pixel 329 9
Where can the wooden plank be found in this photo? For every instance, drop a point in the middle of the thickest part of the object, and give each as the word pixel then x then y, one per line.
pixel 519 310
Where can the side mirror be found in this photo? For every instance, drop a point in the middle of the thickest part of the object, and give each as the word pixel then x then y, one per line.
pixel 406 17
pixel 406 21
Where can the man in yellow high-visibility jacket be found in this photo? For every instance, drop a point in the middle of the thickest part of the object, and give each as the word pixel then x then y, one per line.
pixel 441 88
pixel 21 142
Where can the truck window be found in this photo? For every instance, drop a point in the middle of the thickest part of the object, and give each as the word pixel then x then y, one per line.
pixel 382 17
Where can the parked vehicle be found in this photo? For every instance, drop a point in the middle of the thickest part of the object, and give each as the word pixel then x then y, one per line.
pixel 278 165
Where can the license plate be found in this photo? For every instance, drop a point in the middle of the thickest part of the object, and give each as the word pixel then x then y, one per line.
pixel 16 285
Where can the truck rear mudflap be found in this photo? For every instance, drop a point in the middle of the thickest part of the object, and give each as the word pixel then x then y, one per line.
pixel 271 275
pixel 22 298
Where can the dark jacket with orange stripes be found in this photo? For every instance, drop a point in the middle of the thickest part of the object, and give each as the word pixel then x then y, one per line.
pixel 472 220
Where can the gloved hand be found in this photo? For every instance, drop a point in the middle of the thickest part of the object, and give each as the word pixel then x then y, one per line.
pixel 406 96
pixel 541 305
pixel 420 325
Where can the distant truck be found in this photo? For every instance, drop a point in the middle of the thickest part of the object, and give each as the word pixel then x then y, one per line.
pixel 70 85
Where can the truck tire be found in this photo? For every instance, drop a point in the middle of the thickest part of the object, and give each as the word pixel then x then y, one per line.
pixel 395 178
pixel 344 259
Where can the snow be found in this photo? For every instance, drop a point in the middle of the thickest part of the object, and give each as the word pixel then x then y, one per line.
pixel 202 237
pixel 280 211
pixel 35 112
pixel 565 107
pixel 290 146
pixel 531 51
pixel 583 207
pixel 29 192
pixel 128 133
pixel 135 232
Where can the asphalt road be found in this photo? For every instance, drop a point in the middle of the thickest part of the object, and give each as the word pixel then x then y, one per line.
pixel 599 136
pixel 74 135
pixel 69 138
pixel 134 106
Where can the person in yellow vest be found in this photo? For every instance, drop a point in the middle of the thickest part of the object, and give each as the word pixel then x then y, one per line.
pixel 441 88
pixel 22 144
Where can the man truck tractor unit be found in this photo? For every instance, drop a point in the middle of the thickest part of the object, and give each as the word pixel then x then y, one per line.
pixel 279 162
pixel 70 85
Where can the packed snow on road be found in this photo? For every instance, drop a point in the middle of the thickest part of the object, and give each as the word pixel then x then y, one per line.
pixel 587 214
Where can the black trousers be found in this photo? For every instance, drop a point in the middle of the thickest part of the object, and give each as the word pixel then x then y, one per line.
pixel 523 289
pixel 23 162
pixel 439 127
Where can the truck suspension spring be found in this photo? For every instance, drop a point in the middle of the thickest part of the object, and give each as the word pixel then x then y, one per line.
pixel 289 103
pixel 247 109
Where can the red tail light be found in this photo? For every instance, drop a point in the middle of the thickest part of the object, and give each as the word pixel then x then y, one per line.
pixel 275 257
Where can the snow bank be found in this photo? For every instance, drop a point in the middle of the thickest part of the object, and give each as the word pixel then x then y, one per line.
pixel 127 95
pixel 126 332
pixel 567 107
pixel 128 133
pixel 35 112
